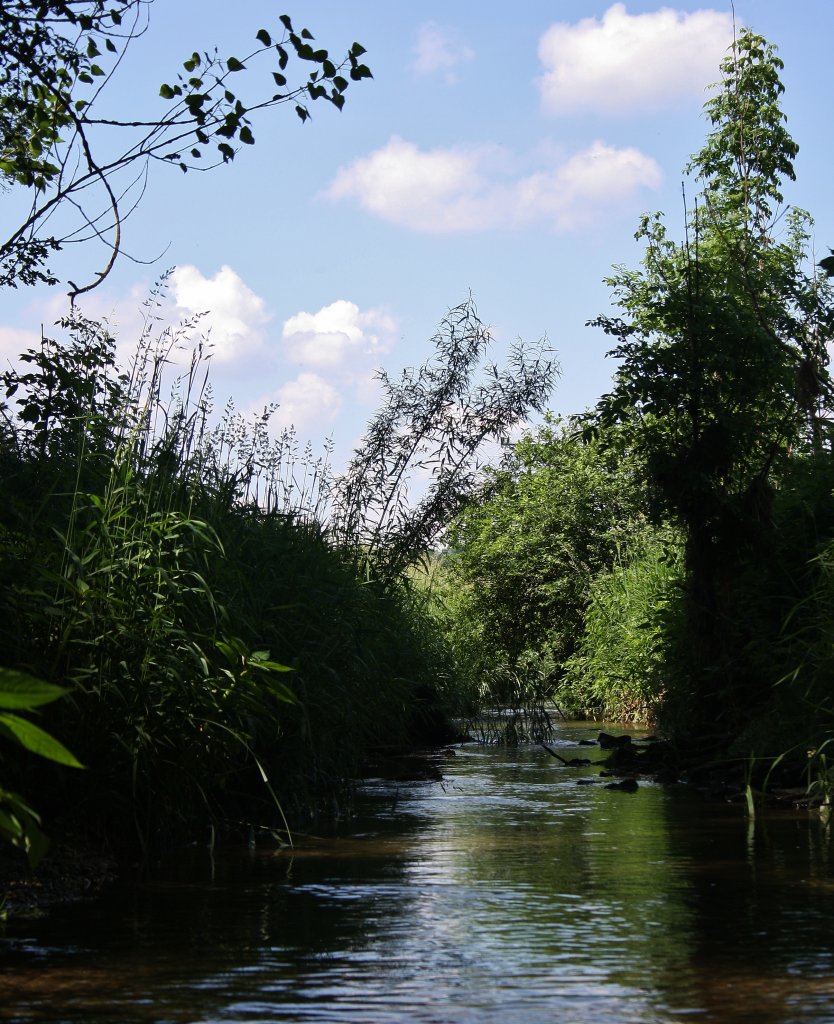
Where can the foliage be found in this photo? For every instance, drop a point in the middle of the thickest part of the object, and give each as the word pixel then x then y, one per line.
pixel 523 554
pixel 722 373
pixel 58 139
pixel 19 823
pixel 433 423
pixel 619 669
pixel 221 654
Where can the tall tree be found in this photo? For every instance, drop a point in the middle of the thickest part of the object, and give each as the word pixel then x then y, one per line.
pixel 722 343
pixel 57 58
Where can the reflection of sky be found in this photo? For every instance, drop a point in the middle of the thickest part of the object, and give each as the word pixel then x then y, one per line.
pixel 506 892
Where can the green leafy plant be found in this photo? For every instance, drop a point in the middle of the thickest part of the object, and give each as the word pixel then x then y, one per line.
pixel 19 822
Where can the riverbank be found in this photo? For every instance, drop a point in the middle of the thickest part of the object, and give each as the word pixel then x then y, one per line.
pixel 69 872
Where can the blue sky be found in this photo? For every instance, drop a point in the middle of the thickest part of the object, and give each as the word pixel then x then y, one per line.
pixel 506 151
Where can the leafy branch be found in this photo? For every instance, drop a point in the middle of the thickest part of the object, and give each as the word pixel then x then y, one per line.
pixel 56 142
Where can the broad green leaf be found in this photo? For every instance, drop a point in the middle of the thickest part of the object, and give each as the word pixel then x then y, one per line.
pixel 264 37
pixel 33 738
pixel 233 64
pixel 20 691
pixel 166 92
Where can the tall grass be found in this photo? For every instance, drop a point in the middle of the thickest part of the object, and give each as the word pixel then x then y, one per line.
pixel 225 660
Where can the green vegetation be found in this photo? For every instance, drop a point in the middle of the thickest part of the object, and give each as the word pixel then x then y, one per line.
pixel 669 556
pixel 232 631
pixel 230 656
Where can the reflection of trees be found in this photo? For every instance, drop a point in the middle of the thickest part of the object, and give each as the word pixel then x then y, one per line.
pixel 761 902
pixel 579 878
pixel 508 881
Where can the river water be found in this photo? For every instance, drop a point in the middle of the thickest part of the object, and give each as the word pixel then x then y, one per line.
pixel 507 892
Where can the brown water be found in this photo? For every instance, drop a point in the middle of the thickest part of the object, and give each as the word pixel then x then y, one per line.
pixel 507 893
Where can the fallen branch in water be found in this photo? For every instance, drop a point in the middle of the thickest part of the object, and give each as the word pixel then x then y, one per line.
pixel 553 753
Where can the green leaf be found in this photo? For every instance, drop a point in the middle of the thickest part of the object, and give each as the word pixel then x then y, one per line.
pixel 96 70
pixel 233 64
pixel 19 690
pixel 307 34
pixel 302 112
pixel 286 22
pixel 357 50
pixel 245 135
pixel 33 738
pixel 264 37
pixel 283 57
pixel 166 92
pixel 92 49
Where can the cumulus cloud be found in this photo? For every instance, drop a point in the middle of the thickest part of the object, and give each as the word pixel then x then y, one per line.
pixel 307 402
pixel 624 62
pixel 468 189
pixel 440 50
pixel 337 334
pixel 234 314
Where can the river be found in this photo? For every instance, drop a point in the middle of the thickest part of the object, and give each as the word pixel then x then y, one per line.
pixel 505 892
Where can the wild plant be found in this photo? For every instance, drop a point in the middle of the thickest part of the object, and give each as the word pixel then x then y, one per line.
pixel 429 430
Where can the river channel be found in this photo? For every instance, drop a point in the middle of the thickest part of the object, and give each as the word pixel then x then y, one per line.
pixel 506 892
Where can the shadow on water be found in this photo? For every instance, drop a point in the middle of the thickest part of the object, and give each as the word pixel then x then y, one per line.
pixel 505 892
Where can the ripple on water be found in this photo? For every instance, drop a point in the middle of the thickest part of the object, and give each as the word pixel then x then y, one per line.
pixel 505 893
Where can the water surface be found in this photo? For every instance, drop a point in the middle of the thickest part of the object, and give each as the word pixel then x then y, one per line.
pixel 507 892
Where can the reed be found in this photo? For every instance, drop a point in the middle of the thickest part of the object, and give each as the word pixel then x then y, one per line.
pixel 225 661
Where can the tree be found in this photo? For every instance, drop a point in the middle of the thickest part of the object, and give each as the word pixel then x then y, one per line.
pixel 723 371
pixel 57 58
pixel 525 551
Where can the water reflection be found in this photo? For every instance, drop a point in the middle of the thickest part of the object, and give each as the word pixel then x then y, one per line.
pixel 505 892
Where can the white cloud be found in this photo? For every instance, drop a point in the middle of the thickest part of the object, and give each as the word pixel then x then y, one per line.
pixel 337 334
pixel 468 189
pixel 308 401
pixel 14 342
pixel 623 61
pixel 439 50
pixel 235 315
pixel 598 176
